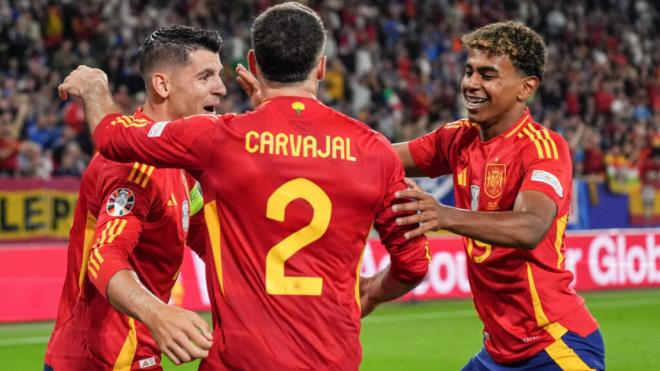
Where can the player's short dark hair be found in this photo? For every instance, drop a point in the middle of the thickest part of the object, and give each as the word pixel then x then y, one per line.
pixel 173 44
pixel 288 40
pixel 524 47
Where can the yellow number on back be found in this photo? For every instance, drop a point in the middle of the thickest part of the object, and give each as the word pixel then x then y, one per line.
pixel 277 283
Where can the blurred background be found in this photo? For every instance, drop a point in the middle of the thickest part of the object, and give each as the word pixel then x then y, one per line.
pixel 395 65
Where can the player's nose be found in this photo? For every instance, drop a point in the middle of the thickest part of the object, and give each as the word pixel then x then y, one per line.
pixel 219 88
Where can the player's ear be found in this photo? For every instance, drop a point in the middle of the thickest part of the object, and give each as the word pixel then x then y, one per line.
pixel 320 72
pixel 252 62
pixel 160 84
pixel 528 87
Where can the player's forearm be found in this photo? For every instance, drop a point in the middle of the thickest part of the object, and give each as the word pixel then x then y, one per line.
pixel 409 164
pixel 98 103
pixel 126 293
pixel 509 228
pixel 384 287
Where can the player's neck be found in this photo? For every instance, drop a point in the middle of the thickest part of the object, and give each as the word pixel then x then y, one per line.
pixel 305 89
pixel 502 124
pixel 156 112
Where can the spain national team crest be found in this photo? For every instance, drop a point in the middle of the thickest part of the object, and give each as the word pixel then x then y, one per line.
pixel 495 178
pixel 121 202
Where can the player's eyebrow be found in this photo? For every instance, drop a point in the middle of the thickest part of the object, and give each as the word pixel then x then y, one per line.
pixel 483 69
pixel 206 72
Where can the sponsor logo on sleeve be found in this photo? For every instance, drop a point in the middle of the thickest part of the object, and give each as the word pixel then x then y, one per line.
pixel 120 202
pixel 157 129
pixel 147 362
pixel 549 179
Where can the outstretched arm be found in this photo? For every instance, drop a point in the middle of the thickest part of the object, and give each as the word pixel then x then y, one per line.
pixel 523 227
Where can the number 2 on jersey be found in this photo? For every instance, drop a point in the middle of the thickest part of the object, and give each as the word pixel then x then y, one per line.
pixel 277 283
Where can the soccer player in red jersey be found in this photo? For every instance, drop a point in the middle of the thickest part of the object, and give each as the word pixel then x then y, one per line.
pixel 291 190
pixel 130 228
pixel 512 182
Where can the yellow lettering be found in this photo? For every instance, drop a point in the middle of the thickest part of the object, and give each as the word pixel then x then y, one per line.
pixel 296 143
pixel 281 141
pixel 248 144
pixel 349 157
pixel 328 147
pixel 266 142
pixel 309 146
pixel 338 148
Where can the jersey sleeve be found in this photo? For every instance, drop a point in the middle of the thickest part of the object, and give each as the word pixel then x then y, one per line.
pixel 432 151
pixel 549 171
pixel 197 239
pixel 123 211
pixel 184 143
pixel 409 257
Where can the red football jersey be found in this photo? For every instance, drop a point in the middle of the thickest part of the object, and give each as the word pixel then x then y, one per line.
pixel 128 216
pixel 523 296
pixel 291 190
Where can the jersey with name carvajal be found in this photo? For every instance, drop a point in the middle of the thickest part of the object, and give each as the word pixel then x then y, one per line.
pixel 524 297
pixel 291 190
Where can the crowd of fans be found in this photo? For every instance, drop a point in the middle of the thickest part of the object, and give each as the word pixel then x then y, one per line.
pixel 394 64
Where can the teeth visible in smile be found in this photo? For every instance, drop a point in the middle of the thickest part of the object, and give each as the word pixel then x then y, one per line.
pixel 475 100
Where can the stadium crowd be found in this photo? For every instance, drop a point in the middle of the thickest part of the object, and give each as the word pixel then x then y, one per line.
pixel 394 64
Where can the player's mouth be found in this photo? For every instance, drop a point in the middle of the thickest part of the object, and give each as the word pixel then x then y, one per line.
pixel 473 103
pixel 209 109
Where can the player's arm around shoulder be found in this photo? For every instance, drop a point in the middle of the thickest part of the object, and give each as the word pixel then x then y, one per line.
pixel 409 257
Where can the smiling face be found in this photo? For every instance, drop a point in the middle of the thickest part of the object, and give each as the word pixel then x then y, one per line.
pixel 494 91
pixel 197 86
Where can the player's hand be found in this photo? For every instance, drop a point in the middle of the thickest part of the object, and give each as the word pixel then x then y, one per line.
pixel 181 334
pixel 80 80
pixel 249 83
pixel 430 214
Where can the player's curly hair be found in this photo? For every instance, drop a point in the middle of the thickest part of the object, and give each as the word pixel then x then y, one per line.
pixel 524 47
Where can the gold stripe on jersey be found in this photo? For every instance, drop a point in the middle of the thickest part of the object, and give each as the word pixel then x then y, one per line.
pixel 90 228
pixel 539 150
pixel 147 176
pixel 213 228
pixel 92 271
pixel 136 165
pixel 561 227
pixel 515 130
pixel 98 256
pixel 552 143
pixel 129 121
pixel 127 352
pixel 539 136
pixel 462 177
pixel 453 124
pixel 548 142
pixel 94 264
pixel 357 278
pixel 141 174
pixel 117 227
pixel 143 170
pixel 565 357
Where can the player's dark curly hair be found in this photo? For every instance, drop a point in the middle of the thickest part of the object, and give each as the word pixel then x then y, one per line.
pixel 173 44
pixel 288 40
pixel 524 47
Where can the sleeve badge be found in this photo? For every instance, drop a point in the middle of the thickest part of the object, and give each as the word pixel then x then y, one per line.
pixel 120 202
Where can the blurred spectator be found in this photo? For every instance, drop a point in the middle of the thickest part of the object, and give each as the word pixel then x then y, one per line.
pixel 396 65
pixel 31 161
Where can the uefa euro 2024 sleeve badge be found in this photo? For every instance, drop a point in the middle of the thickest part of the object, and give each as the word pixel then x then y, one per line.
pixel 120 202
